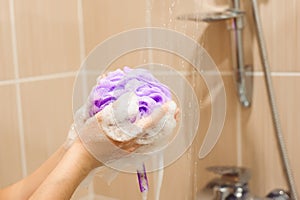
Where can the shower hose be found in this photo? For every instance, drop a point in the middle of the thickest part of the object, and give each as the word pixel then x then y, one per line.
pixel 275 117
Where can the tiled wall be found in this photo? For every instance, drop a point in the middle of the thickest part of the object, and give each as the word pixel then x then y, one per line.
pixel 281 24
pixel 42 44
pixel 39 48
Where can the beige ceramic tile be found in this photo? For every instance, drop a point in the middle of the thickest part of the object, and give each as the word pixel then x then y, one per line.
pixel 47 116
pixel 125 186
pixel 225 151
pixel 260 151
pixel 298 31
pixel 144 58
pixel 47 36
pixel 280 23
pixel 216 39
pixel 80 193
pixel 178 178
pixel 6 57
pixel 106 18
pixel 287 100
pixel 10 158
pixel 98 18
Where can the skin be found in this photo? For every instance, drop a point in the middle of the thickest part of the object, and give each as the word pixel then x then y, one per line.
pixel 25 187
pixel 70 171
pixel 59 176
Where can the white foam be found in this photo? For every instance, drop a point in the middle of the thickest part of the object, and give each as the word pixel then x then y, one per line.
pixel 116 118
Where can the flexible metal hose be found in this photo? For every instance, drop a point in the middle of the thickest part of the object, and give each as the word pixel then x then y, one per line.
pixel 275 116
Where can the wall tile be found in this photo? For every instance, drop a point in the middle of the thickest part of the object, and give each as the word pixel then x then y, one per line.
pixel 216 39
pixel 10 158
pixel 125 185
pixel 280 23
pixel 260 151
pixel 6 57
pixel 287 100
pixel 105 18
pixel 98 18
pixel 47 36
pixel 48 42
pixel 225 151
pixel 47 116
pixel 80 193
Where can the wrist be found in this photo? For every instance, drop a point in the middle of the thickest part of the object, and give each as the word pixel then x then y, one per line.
pixel 83 159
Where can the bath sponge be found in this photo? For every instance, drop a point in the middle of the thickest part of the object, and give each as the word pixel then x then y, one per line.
pixel 126 103
pixel 127 111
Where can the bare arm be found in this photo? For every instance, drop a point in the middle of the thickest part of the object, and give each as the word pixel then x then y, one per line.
pixel 26 187
pixel 70 171
pixel 60 175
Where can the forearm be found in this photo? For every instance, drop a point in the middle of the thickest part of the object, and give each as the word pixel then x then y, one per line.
pixel 70 171
pixel 26 187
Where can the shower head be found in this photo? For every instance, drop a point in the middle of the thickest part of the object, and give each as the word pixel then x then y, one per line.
pixel 234 18
pixel 212 16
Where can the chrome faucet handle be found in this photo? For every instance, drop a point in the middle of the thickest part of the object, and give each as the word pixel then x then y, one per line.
pixel 279 194
pixel 234 174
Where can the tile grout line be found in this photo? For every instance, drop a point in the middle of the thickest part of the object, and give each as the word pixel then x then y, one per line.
pixel 39 78
pixel 18 92
pixel 292 74
pixel 74 73
pixel 81 30
pixel 55 76
pixel 8 82
pixel 82 45
pixel 47 77
pixel 91 191
pixel 277 74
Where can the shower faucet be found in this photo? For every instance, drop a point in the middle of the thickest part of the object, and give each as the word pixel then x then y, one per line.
pixel 233 185
pixel 234 17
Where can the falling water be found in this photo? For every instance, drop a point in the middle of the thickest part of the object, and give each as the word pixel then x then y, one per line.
pixel 148 22
pixel 168 12
pixel 159 175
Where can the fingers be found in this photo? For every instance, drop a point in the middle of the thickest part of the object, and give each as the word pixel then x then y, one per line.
pixel 128 141
pixel 177 114
pixel 150 121
pixel 128 146
pixel 157 115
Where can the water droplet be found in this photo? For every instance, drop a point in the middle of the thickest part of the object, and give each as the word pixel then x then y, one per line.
pixel 189 155
pixel 173 4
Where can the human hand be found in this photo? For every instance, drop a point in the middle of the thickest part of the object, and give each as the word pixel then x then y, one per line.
pixel 126 110
pixel 108 141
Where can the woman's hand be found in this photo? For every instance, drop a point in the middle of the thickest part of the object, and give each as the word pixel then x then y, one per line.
pixel 107 140
pixel 67 175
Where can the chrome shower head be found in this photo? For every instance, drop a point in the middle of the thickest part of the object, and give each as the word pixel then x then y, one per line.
pixel 212 16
